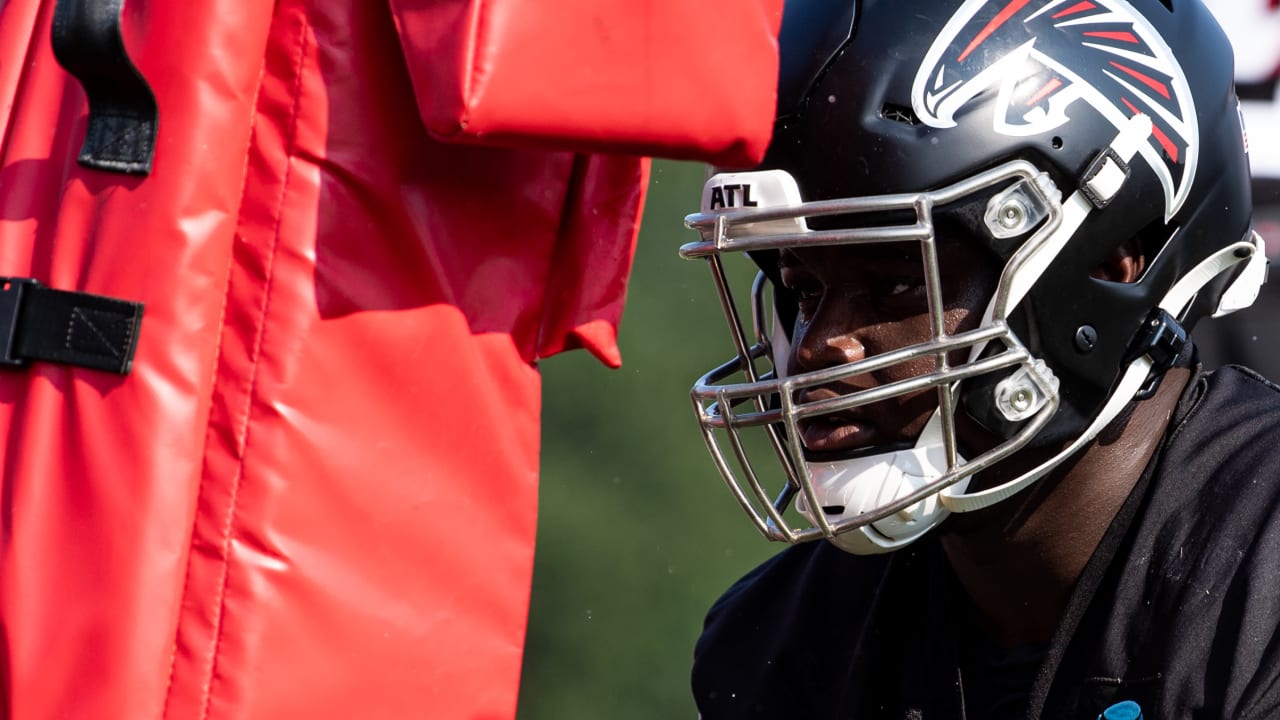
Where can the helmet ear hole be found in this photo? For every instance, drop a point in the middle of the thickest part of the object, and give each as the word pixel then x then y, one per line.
pixel 1125 264
pixel 1146 245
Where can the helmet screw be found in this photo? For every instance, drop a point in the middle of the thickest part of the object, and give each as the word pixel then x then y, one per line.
pixel 1086 338
pixel 1012 214
pixel 1021 400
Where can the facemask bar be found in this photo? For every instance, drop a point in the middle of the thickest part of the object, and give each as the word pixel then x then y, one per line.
pixel 747 355
pixel 716 403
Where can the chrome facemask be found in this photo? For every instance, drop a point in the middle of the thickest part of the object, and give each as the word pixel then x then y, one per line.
pixel 888 498
pixel 883 501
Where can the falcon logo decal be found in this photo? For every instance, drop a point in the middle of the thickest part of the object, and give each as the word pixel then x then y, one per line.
pixel 1042 56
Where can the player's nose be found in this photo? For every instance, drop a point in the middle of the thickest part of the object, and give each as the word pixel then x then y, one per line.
pixel 827 341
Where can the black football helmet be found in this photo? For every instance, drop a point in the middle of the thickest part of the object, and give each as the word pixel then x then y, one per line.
pixel 1050 133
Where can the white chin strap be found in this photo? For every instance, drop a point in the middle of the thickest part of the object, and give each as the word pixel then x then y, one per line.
pixel 849 488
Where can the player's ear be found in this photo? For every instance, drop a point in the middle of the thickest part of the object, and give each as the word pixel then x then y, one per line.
pixel 1124 264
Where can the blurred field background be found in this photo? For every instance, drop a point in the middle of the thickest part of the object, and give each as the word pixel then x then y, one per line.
pixel 637 535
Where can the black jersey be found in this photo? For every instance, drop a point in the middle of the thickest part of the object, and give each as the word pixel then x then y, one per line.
pixel 1177 609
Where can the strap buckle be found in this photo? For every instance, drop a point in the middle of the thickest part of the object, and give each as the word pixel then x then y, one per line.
pixel 12 292
pixel 1104 177
pixel 1162 339
pixel 65 326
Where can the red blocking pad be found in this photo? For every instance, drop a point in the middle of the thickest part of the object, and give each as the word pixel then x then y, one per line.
pixel 314 493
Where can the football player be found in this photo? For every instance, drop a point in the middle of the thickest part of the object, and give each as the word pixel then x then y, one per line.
pixel 984 231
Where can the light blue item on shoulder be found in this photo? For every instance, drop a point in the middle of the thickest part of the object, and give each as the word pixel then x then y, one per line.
pixel 1127 710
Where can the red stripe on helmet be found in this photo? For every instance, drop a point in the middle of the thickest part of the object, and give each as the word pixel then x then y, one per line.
pixel 1000 19
pixel 1049 87
pixel 1145 79
pixel 1124 36
pixel 1079 7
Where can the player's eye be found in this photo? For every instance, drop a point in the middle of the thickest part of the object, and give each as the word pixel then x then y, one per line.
pixel 808 298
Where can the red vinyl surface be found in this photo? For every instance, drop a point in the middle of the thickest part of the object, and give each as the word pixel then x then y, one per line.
pixel 667 77
pixel 315 494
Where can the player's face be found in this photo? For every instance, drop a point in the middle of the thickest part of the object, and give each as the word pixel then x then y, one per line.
pixel 859 301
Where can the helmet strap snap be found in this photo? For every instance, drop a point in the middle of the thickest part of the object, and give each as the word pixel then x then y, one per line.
pixel 1162 339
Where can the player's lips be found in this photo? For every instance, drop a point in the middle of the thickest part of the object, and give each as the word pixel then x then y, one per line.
pixel 835 432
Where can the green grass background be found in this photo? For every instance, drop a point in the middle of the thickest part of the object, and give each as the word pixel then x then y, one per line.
pixel 636 534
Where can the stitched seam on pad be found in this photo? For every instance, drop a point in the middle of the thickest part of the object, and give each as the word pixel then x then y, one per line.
pixel 238 477
pixel 217 359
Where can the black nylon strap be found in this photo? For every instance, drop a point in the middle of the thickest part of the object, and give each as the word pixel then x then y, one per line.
pixel 121 136
pixel 73 328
